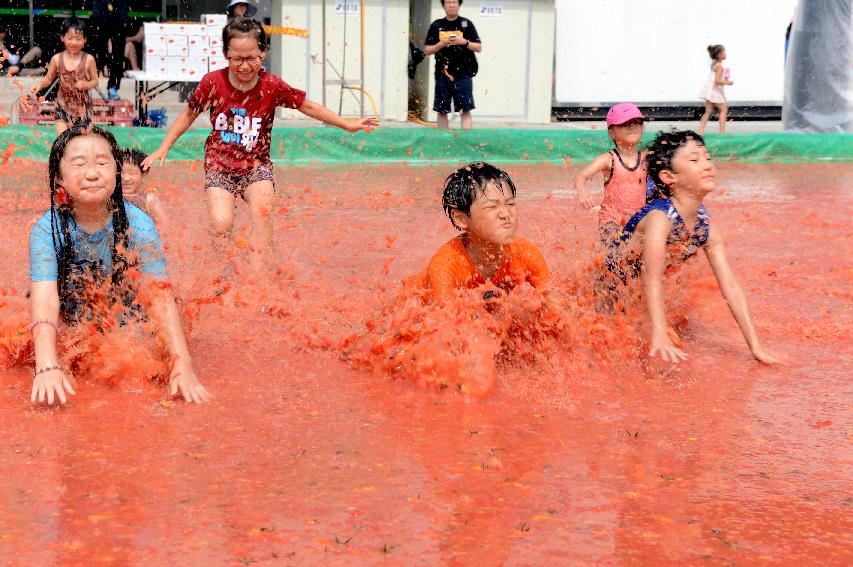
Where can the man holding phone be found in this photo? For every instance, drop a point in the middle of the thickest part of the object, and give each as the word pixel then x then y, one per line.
pixel 453 40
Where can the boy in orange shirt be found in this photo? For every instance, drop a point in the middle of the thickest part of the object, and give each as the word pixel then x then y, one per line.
pixel 480 201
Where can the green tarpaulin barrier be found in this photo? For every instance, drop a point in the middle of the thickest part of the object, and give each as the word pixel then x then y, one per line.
pixel 424 146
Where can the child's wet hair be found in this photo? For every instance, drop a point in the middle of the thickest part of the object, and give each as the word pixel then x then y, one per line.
pixel 244 27
pixel 715 50
pixel 462 186
pixel 135 157
pixel 660 154
pixel 61 219
pixel 73 23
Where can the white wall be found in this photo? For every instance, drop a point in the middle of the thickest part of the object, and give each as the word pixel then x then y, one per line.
pixel 514 81
pixel 386 55
pixel 654 51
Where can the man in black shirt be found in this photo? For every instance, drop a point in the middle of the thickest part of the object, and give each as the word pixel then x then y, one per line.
pixel 453 40
pixel 108 23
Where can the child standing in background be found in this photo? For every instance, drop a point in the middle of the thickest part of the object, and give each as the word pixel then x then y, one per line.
pixel 77 74
pixel 624 171
pixel 712 93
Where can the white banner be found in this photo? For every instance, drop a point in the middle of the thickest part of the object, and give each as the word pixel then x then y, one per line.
pixel 655 51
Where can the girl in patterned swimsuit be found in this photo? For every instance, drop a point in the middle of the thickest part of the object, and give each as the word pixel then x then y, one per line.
pixel 670 229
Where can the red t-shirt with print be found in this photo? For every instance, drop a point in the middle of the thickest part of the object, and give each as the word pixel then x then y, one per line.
pixel 242 120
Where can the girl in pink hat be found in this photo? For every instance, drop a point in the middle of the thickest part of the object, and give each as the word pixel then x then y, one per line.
pixel 624 171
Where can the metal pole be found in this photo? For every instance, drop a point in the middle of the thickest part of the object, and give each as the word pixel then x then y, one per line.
pixel 323 67
pixel 362 59
pixel 32 26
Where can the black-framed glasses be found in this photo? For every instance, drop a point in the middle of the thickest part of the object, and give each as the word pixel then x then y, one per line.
pixel 238 61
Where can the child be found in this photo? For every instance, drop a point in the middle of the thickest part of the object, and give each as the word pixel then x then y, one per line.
pixel 480 201
pixel 712 93
pixel 77 75
pixel 91 237
pixel 624 171
pixel 672 228
pixel 242 100
pixel 132 177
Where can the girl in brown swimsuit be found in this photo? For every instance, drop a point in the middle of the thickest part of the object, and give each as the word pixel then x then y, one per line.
pixel 77 75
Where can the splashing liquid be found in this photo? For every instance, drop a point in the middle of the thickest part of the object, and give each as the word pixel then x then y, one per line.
pixel 566 446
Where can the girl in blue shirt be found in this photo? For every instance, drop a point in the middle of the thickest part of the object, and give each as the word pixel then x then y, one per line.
pixel 671 228
pixel 85 254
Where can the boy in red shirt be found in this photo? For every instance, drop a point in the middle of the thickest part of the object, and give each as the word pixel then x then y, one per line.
pixel 480 201
pixel 242 99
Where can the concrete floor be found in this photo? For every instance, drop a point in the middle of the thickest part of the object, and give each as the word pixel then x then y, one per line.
pixel 11 89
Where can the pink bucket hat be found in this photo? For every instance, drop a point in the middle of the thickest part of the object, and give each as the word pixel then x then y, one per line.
pixel 622 113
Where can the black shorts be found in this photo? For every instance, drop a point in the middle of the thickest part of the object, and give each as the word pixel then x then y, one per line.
pixel 61 115
pixel 460 91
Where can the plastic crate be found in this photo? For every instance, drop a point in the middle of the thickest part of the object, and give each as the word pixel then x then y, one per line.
pixel 109 112
pixel 31 111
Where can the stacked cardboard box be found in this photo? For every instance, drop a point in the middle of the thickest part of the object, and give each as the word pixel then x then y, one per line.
pixel 215 23
pixel 184 51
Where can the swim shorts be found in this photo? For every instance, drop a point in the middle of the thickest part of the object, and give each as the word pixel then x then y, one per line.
pixel 236 183
pixel 61 115
pixel 460 92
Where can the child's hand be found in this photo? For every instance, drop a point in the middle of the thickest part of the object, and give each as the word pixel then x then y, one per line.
pixel 764 356
pixel 50 383
pixel 586 200
pixel 184 380
pixel 157 155
pixel 366 124
pixel 34 90
pixel 662 344
pixel 81 85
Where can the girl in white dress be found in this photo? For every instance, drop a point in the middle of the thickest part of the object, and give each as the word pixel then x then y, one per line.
pixel 712 93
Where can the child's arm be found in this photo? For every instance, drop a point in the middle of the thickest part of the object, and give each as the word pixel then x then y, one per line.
pixel 91 71
pixel 734 295
pixel 48 78
pixel 155 209
pixel 718 75
pixel 44 299
pixel 182 123
pixel 601 164
pixel 182 377
pixel 323 114
pixel 655 234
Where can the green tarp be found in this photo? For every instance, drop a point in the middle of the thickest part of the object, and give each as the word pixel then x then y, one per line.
pixel 424 146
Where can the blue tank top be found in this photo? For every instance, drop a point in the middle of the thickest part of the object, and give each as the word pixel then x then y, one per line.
pixel 686 242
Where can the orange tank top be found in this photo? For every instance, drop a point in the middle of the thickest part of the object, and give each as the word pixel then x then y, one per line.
pixel 624 190
pixel 74 101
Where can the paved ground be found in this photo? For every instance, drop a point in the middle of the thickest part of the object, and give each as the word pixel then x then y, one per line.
pixel 11 89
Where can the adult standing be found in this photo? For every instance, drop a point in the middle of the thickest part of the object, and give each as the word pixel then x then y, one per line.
pixel 109 24
pixel 453 40
pixel 240 9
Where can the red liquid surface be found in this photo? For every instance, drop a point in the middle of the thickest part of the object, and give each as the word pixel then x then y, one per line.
pixel 579 457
